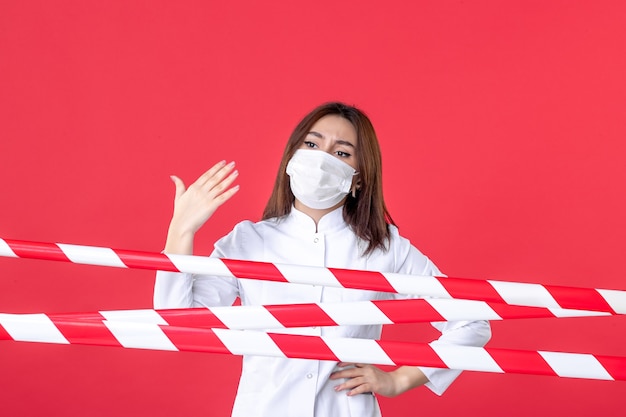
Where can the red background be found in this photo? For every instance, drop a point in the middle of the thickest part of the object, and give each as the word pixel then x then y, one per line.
pixel 502 130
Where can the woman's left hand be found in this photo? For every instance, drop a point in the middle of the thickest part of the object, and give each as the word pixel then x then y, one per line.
pixel 362 378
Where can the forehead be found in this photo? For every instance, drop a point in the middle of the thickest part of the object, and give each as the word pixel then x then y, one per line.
pixel 335 127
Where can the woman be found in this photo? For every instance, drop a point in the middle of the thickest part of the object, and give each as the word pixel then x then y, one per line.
pixel 326 209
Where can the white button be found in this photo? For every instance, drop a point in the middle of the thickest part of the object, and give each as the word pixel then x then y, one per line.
pixel 316 240
pixel 309 376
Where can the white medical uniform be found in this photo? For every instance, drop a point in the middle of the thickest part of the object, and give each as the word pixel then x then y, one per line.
pixel 275 387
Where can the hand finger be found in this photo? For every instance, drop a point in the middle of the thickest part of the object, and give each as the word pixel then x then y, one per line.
pixel 344 364
pixel 223 184
pixel 355 386
pixel 346 373
pixel 179 184
pixel 351 383
pixel 361 389
pixel 225 196
pixel 211 171
pixel 210 174
pixel 353 369
pixel 211 183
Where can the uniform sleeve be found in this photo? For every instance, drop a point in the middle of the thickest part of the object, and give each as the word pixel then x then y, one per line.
pixel 182 290
pixel 465 333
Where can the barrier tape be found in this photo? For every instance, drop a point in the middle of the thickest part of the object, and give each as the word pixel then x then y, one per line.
pixel 324 314
pixel 514 293
pixel 39 328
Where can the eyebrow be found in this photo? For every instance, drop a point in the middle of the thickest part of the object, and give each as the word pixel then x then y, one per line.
pixel 338 141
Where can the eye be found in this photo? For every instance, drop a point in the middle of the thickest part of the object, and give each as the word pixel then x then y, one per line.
pixel 309 144
pixel 343 154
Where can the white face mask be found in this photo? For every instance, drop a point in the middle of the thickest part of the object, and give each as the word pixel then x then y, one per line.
pixel 319 180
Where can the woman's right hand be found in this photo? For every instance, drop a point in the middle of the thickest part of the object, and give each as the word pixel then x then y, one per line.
pixel 193 206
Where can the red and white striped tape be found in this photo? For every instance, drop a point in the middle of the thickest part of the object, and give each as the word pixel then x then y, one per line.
pixel 39 328
pixel 324 314
pixel 514 293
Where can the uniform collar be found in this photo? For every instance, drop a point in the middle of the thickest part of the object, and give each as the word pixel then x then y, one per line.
pixel 330 222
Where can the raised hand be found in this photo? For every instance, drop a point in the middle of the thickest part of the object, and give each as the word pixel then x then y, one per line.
pixel 194 205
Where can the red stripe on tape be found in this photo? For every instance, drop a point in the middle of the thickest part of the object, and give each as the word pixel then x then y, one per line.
pixel 195 340
pixel 470 289
pixel 298 346
pixel 304 315
pixel 408 311
pixel 519 361
pixel 615 366
pixel 192 317
pixel 37 250
pixel 507 311
pixel 257 270
pixel 579 298
pixel 146 260
pixel 91 316
pixel 402 353
pixel 87 333
pixel 365 280
pixel 4 335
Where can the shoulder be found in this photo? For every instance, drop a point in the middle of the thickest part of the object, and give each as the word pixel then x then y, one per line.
pixel 407 258
pixel 245 239
pixel 246 230
pixel 398 244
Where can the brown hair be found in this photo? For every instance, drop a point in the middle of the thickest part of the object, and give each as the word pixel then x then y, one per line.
pixel 366 213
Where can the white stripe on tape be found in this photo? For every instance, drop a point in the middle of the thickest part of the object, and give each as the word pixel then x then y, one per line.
pixel 418 285
pixel 616 299
pixel 134 316
pixel 358 350
pixel 140 335
pixel 568 312
pixel 201 265
pixel 453 310
pixel 5 249
pixel 517 293
pixel 32 328
pixel 576 365
pixel 254 317
pixel 470 358
pixel 91 254
pixel 310 275
pixel 355 313
pixel 242 342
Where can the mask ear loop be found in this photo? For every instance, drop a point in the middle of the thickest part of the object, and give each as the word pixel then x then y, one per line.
pixel 356 186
